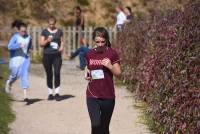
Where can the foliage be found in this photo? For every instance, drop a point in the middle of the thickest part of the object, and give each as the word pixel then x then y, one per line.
pixel 161 60
pixel 36 57
pixel 6 114
pixel 83 2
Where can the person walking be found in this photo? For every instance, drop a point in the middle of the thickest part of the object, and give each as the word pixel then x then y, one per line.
pixel 52 43
pixel 102 63
pixel 20 46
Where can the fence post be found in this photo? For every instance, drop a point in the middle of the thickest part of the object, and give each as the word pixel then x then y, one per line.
pixel 74 38
pixel 69 41
pixel 90 36
pixel 64 43
pixel 34 40
pixel 39 30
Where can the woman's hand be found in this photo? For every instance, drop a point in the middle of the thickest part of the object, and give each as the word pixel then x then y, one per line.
pixel 61 49
pixel 115 68
pixel 87 75
pixel 50 38
pixel 22 45
pixel 107 63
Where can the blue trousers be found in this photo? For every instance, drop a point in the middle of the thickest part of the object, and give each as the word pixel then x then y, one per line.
pixel 19 68
pixel 82 51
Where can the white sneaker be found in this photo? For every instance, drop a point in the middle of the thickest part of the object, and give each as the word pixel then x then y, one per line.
pixel 8 86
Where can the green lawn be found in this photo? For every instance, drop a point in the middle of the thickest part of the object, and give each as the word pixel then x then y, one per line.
pixel 6 113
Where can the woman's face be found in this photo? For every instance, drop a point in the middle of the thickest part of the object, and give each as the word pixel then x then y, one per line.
pixel 100 41
pixel 23 31
pixel 52 24
pixel 126 11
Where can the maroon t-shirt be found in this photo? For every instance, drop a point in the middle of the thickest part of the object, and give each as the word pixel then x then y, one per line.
pixel 101 88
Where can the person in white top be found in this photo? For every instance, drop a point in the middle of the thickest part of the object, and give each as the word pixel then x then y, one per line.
pixel 121 18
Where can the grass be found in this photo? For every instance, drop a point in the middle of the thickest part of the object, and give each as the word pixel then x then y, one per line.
pixel 119 82
pixel 147 118
pixel 6 113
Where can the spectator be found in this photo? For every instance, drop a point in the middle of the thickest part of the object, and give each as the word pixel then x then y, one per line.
pixel 79 24
pixel 82 51
pixel 79 21
pixel 129 14
pixel 121 18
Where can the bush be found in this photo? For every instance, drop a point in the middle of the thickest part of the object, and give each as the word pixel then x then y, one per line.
pixel 83 2
pixel 36 57
pixel 6 114
pixel 161 60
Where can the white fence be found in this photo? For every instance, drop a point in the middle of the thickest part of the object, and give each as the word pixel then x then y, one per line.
pixel 70 34
pixel 71 38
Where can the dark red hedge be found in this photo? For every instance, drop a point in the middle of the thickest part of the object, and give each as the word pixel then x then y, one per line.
pixel 161 61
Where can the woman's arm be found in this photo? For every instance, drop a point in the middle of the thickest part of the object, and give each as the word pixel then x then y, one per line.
pixel 115 68
pixel 87 74
pixel 61 44
pixel 13 44
pixel 44 42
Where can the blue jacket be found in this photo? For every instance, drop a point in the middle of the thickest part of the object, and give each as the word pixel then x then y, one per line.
pixel 15 48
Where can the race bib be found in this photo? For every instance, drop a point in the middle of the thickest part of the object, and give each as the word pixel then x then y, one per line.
pixel 97 74
pixel 54 45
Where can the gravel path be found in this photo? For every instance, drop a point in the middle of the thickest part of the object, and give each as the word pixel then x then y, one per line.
pixel 68 116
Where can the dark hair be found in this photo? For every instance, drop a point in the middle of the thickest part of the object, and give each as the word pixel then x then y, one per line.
pixel 52 18
pixel 78 8
pixel 22 25
pixel 129 9
pixel 101 32
pixel 16 23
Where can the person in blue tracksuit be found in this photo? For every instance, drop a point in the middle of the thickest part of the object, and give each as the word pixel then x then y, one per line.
pixel 19 47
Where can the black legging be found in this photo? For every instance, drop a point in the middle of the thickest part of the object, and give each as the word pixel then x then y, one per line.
pixel 100 112
pixel 55 61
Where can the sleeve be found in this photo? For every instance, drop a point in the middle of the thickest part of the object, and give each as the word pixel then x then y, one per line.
pixel 44 33
pixel 61 33
pixel 30 45
pixel 87 59
pixel 115 58
pixel 13 43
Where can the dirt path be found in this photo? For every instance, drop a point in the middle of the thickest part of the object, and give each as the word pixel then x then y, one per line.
pixel 68 116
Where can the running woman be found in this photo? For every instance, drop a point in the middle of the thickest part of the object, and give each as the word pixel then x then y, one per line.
pixel 20 46
pixel 52 42
pixel 102 63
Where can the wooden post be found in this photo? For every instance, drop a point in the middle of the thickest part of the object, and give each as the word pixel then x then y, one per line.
pixel 65 45
pixel 69 43
pixel 39 31
pixel 34 40
pixel 90 36
pixel 74 38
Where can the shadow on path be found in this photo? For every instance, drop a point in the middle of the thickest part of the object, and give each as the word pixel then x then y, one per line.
pixel 29 101
pixel 65 96
pixel 32 101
